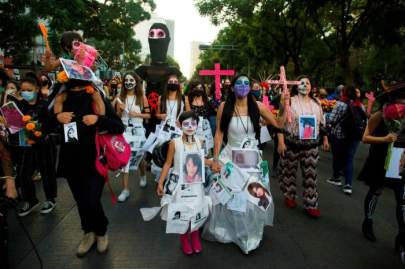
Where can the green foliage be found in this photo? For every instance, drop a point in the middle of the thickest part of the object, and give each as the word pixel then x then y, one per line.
pixel 333 41
pixel 107 24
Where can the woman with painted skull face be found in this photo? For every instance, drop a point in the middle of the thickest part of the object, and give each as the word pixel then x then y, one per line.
pixel 179 148
pixel 385 132
pixel 171 103
pixel 295 148
pixel 237 121
pixel 197 102
pixel 133 108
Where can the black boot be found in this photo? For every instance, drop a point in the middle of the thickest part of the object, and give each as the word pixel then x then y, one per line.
pixel 368 231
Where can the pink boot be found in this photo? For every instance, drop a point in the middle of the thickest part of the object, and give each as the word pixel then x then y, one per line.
pixel 185 243
pixel 195 241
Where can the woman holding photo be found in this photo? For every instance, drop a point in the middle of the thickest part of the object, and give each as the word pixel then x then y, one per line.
pixel 295 148
pixel 237 120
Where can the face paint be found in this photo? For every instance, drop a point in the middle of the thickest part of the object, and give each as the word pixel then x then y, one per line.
pixel 189 127
pixel 304 87
pixel 157 33
pixel 242 87
pixel 130 82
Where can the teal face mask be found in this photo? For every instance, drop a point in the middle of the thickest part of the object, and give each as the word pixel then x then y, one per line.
pixel 28 96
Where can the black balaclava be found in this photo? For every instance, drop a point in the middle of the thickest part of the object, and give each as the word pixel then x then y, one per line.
pixel 159 39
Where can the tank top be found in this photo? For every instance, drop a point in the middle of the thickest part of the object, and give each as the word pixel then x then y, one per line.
pixel 239 128
pixel 131 106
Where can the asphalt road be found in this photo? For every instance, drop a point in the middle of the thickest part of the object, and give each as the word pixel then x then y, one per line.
pixel 296 241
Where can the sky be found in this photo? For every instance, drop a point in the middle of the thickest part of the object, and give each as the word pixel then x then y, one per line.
pixel 189 26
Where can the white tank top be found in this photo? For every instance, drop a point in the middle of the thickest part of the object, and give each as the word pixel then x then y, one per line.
pixel 239 128
pixel 171 109
pixel 131 106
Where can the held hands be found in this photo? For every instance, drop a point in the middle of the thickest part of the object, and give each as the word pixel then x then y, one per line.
pixel 159 189
pixel 65 117
pixel 391 137
pixel 281 148
pixel 90 120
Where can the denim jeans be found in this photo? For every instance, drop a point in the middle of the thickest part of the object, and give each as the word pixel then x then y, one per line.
pixel 213 124
pixel 343 152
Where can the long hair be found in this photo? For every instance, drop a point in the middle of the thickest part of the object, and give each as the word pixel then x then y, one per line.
pixel 229 108
pixel 294 89
pixel 163 99
pixel 193 92
pixel 138 90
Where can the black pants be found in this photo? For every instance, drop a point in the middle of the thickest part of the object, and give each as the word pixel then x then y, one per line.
pixel 42 157
pixel 374 193
pixel 3 233
pixel 87 192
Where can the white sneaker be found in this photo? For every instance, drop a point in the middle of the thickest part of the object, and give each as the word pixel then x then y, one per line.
pixel 87 242
pixel 347 189
pixel 143 182
pixel 123 195
pixel 102 243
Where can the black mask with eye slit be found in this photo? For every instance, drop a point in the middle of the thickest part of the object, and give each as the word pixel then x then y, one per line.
pixel 159 39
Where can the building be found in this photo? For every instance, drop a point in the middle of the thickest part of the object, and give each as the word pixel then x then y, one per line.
pixel 142 33
pixel 194 56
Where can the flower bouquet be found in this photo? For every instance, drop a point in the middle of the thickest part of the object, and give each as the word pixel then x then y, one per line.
pixel 328 105
pixel 32 130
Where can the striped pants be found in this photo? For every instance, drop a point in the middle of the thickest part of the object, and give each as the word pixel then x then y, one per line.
pixel 308 160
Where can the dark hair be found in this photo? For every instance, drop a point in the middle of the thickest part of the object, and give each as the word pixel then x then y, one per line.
pixel 264 201
pixel 192 93
pixel 31 78
pixel 188 114
pixel 350 92
pixel 47 77
pixel 138 89
pixel 163 108
pixel 67 39
pixel 294 89
pixel 229 108
pixel 196 159
pixel 4 77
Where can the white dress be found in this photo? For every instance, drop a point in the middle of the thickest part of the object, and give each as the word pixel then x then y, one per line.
pixel 134 132
pixel 171 110
pixel 184 205
pixel 241 219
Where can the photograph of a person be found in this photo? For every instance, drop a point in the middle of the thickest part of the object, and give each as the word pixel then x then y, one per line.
pixel 76 71
pixel 246 158
pixel 257 190
pixel 307 127
pixel 193 168
pixel 177 215
pixel 171 184
pixel 70 132
pixel 217 187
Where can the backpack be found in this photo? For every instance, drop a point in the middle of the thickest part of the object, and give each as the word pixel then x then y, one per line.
pixel 354 122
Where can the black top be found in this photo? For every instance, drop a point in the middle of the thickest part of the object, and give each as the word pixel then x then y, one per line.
pixel 200 111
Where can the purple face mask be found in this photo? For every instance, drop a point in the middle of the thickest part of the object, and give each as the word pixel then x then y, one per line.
pixel 242 87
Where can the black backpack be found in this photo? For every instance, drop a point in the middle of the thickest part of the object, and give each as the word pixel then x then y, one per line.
pixel 354 122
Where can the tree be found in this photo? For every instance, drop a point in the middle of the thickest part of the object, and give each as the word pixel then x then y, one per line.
pixel 106 24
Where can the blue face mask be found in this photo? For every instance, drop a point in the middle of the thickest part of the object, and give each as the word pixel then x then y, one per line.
pixel 242 87
pixel 28 96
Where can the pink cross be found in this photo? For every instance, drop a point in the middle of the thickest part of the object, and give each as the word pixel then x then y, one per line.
pixel 283 81
pixel 217 72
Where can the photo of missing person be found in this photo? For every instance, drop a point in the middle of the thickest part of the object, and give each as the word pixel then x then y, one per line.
pixel 70 130
pixel 307 127
pixel 76 71
pixel 257 190
pixel 246 158
pixel 193 168
pixel 171 183
pixel 177 215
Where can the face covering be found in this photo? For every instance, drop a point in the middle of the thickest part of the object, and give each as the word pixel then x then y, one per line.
pixel 199 92
pixel 394 111
pixel 303 87
pixel 242 87
pixel 10 91
pixel 28 96
pixel 256 94
pixel 189 127
pixel 130 82
pixel 173 87
pixel 44 83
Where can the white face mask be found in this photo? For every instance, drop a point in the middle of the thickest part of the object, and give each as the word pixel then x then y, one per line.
pixel 10 91
pixel 130 82
pixel 304 87
pixel 189 126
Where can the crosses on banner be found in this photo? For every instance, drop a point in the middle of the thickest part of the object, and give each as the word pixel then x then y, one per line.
pixel 283 81
pixel 217 72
